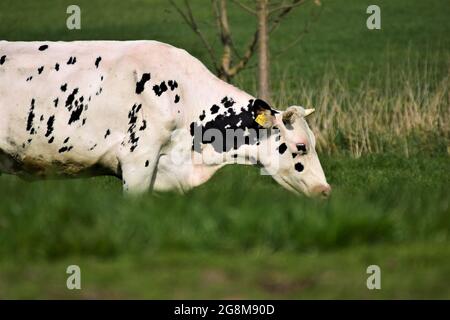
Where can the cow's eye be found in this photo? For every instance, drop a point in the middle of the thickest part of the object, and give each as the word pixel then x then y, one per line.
pixel 301 148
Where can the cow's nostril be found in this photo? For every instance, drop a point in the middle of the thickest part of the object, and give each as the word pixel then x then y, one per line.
pixel 322 190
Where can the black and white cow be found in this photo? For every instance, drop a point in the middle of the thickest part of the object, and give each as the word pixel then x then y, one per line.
pixel 145 112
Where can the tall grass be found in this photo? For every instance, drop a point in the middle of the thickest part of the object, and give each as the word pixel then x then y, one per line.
pixel 402 109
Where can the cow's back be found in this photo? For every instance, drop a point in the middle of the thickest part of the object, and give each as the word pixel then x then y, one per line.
pixel 66 105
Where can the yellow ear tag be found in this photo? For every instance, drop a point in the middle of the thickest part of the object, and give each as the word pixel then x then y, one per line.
pixel 261 119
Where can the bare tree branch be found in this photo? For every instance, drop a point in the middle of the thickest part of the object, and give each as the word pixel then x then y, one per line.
pixel 276 22
pixel 305 31
pixel 189 19
pixel 285 6
pixel 245 7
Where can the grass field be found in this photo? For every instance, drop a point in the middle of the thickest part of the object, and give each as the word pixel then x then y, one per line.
pixel 241 235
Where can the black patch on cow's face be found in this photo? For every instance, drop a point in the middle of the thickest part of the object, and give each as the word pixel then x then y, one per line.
pixel 2 59
pixel 108 132
pixel 282 148
pixel 172 84
pixel 141 83
pixel 64 87
pixel 160 89
pixel 57 67
pixel 50 123
pixel 294 155
pixel 40 69
pixel 299 167
pixel 214 109
pixel 43 47
pixel 177 98
pixel 97 61
pixel 31 117
pixel 55 102
pixel 72 60
pixel 147 163
pixel 229 119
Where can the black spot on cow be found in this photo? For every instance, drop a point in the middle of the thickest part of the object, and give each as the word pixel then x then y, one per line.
pixel 64 87
pixel 65 149
pixel 294 155
pixel 177 98
pixel 299 167
pixel 93 147
pixel 55 102
pixel 108 132
pixel 227 102
pixel 71 97
pixel 101 78
pixel 43 47
pixel 214 109
pixel 40 69
pixel 235 156
pixel 97 61
pixel 141 83
pixel 147 163
pixel 57 67
pixel 76 113
pixel 143 126
pixel 132 119
pixel 282 148
pixel 2 59
pixel 72 60
pixel 51 140
pixel 41 118
pixel 172 84
pixel 160 89
pixel 66 140
pixel 202 116
pixel 30 117
pixel 29 78
pixel 50 123
pixel 84 120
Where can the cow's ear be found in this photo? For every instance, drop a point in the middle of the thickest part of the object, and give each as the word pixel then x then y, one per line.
pixel 264 115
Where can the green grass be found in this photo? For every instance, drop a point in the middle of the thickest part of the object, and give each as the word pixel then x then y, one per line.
pixel 241 235
pixel 412 271
pixel 375 200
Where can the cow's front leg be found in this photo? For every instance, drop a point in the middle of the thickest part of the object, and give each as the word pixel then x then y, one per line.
pixel 137 173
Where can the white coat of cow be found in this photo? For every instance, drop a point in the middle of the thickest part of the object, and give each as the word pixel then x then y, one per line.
pixel 144 111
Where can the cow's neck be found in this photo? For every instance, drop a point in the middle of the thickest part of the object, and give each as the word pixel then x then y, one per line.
pixel 228 108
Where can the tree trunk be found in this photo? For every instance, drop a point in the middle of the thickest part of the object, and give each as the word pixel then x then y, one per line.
pixel 263 47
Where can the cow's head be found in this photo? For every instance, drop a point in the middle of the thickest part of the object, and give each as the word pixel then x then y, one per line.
pixel 290 155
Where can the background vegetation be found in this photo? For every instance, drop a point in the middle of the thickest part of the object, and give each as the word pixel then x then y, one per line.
pixel 382 124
